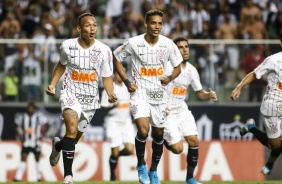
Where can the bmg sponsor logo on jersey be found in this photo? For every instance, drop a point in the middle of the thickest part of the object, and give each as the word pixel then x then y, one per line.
pixel 179 91
pixel 151 71
pixel 83 76
pixel 84 99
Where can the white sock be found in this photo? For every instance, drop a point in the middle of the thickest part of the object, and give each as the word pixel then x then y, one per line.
pixel 38 171
pixel 20 171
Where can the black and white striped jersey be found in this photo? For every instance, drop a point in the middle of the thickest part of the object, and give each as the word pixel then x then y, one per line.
pixel 30 127
pixel 148 65
pixel 84 67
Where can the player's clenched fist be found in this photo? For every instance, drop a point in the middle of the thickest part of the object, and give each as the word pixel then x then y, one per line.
pixel 235 94
pixel 50 90
pixel 165 80
pixel 112 98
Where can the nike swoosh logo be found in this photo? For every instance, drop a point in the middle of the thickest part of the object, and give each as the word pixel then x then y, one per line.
pixel 73 56
pixel 141 54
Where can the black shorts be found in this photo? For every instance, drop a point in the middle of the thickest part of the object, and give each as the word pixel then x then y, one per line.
pixel 35 150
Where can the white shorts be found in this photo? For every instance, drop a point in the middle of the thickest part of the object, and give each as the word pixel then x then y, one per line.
pixel 119 131
pixel 179 123
pixel 272 126
pixel 156 112
pixel 68 101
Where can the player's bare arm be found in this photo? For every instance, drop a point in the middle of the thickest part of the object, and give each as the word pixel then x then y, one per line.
pixel 245 81
pixel 121 72
pixel 109 87
pixel 210 94
pixel 57 74
pixel 167 79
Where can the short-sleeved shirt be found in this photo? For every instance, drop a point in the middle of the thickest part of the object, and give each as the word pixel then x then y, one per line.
pixel 272 100
pixel 178 88
pixel 122 111
pixel 84 67
pixel 148 65
pixel 31 127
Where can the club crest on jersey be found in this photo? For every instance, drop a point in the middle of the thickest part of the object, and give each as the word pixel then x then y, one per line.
pixel 160 54
pixel 95 56
pixel 69 102
pixel 167 136
pixel 134 109
pixel 273 127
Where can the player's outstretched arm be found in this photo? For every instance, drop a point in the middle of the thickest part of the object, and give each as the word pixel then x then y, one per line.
pixel 245 81
pixel 167 79
pixel 121 72
pixel 204 95
pixel 57 74
pixel 109 87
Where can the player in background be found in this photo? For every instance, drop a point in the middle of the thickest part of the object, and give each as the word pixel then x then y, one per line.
pixel 83 60
pixel 149 54
pixel 270 107
pixel 180 121
pixel 118 123
pixel 31 127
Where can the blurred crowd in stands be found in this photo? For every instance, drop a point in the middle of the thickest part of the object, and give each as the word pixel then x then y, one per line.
pixel 45 21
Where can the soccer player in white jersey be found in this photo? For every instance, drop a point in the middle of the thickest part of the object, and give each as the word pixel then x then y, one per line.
pixel 84 60
pixel 149 54
pixel 118 123
pixel 31 127
pixel 180 122
pixel 271 106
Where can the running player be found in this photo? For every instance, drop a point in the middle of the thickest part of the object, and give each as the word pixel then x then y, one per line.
pixel 28 127
pixel 180 122
pixel 271 105
pixel 149 54
pixel 84 59
pixel 118 124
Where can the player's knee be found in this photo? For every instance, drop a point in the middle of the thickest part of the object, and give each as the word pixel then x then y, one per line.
pixel 143 133
pixel 193 141
pixel 176 149
pixel 158 137
pixel 130 150
pixel 275 144
pixel 71 131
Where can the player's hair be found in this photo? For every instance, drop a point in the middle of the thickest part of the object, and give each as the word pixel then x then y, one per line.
pixel 281 37
pixel 179 39
pixel 31 104
pixel 151 13
pixel 84 15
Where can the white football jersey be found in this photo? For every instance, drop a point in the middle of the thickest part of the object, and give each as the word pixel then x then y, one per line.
pixel 122 111
pixel 84 67
pixel 148 65
pixel 272 100
pixel 178 88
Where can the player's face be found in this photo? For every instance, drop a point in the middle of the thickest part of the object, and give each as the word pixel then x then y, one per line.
pixel 30 110
pixel 88 28
pixel 154 25
pixel 184 49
